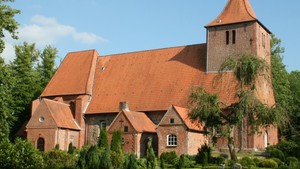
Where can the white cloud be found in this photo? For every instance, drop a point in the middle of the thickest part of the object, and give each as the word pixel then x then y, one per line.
pixel 47 31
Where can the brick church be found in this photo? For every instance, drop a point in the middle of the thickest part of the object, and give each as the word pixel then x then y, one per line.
pixel 145 93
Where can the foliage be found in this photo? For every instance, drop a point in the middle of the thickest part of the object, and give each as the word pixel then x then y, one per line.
pixel 59 159
pixel 21 155
pixel 103 139
pixel 105 159
pixel 268 163
pixel 118 158
pixel 168 157
pixel 6 116
pixel 289 148
pixel 116 142
pixel 71 148
pixel 82 163
pixel 204 155
pixel 246 161
pixel 150 156
pixel 8 23
pixel 46 68
pixel 292 161
pixel 130 162
pixel 274 152
pixel 183 162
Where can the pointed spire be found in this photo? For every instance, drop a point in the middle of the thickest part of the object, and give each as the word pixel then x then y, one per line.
pixel 236 11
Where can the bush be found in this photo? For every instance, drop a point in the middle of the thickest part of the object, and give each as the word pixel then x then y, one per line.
pixel 59 159
pixel 168 157
pixel 278 161
pixel 289 148
pixel 277 154
pixel 218 160
pixel 246 161
pixel 21 155
pixel 130 162
pixel 268 163
pixel 183 162
pixel 292 161
pixel 204 155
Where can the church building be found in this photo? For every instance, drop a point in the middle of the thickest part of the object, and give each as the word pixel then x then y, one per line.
pixel 145 94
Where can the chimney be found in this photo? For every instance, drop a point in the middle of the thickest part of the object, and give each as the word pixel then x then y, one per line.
pixel 123 106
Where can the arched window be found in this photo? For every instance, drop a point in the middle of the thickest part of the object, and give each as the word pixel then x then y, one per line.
pixel 40 144
pixel 172 140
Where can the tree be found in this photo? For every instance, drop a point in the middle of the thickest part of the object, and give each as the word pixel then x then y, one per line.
pixel 47 66
pixel 103 139
pixel 71 148
pixel 6 112
pixel 8 23
pixel 117 155
pixel 26 81
pixel 150 156
pixel 21 154
pixel 206 108
pixel 294 79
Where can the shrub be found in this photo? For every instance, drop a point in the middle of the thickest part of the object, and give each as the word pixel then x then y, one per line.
pixel 183 162
pixel 246 161
pixel 71 148
pixel 168 157
pixel 268 163
pixel 21 154
pixel 289 148
pixel 277 154
pixel 130 162
pixel 218 160
pixel 204 155
pixel 59 159
pixel 292 161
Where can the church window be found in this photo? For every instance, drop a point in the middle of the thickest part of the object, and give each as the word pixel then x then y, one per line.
pixel 172 140
pixel 102 124
pixel 40 144
pixel 125 129
pixel 227 37
pixel 172 121
pixel 233 36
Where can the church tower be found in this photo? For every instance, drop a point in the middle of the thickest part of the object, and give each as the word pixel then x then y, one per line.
pixel 234 32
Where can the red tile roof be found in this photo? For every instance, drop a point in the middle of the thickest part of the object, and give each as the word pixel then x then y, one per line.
pixel 59 112
pixel 139 121
pixel 235 11
pixel 155 79
pixel 74 76
pixel 183 113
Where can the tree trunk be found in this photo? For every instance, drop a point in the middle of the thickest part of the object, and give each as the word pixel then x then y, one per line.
pixel 231 145
pixel 242 136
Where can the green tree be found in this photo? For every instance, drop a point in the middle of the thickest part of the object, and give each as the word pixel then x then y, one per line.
pixel 8 23
pixel 206 108
pixel 105 159
pixel 131 162
pixel 21 154
pixel 117 154
pixel 103 139
pixel 150 156
pixel 71 148
pixel 47 66
pixel 294 79
pixel 6 112
pixel 26 81
pixel 92 158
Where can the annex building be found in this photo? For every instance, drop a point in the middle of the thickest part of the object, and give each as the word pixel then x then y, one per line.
pixel 145 93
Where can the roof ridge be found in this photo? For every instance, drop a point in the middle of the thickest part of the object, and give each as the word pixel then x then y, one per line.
pixel 246 6
pixel 147 50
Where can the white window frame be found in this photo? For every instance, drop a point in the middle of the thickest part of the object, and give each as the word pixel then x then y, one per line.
pixel 172 140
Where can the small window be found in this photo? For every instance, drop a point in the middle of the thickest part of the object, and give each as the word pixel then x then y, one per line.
pixel 233 36
pixel 123 141
pixel 172 140
pixel 227 37
pixel 102 124
pixel 125 129
pixel 172 121
pixel 41 119
pixel 40 144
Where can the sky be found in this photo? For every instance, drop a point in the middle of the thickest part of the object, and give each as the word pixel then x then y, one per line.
pixel 119 26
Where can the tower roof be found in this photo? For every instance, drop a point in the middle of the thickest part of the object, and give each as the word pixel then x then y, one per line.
pixel 235 11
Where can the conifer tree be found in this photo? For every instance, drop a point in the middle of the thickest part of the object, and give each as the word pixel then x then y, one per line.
pixel 103 139
pixel 71 148
pixel 150 156
pixel 92 158
pixel 116 142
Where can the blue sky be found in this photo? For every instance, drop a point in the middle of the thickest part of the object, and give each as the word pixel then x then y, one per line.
pixel 118 26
